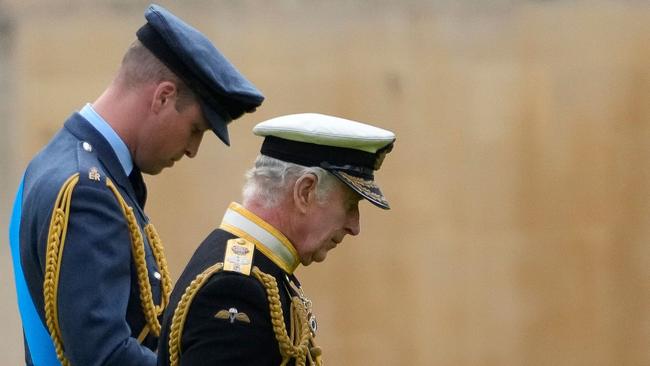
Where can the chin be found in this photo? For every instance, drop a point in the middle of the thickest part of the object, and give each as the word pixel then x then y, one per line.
pixel 153 171
pixel 319 257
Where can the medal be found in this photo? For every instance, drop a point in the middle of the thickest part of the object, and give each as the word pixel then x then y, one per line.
pixel 311 318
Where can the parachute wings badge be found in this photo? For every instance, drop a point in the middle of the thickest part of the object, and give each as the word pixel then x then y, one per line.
pixel 232 314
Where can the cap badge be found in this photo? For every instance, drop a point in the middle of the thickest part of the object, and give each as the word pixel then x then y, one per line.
pixel 239 250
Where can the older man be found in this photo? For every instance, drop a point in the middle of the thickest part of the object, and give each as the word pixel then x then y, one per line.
pixel 91 274
pixel 238 302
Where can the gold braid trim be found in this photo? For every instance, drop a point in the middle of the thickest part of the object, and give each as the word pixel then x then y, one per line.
pixel 300 331
pixel 161 261
pixel 53 253
pixel 150 310
pixel 180 314
pixel 53 256
pixel 299 347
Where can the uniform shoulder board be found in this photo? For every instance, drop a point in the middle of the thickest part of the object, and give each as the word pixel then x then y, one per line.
pixel 89 166
pixel 239 256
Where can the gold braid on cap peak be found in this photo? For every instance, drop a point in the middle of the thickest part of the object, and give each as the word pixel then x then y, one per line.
pixel 56 241
pixel 300 346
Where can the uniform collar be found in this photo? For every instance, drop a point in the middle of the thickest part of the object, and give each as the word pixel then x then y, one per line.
pixel 79 127
pixel 267 239
pixel 118 145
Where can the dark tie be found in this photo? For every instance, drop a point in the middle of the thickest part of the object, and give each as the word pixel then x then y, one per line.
pixel 139 187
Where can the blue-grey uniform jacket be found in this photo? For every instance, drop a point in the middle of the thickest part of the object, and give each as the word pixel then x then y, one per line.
pixel 99 310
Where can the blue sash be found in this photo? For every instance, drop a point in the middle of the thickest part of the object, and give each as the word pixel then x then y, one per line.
pixel 38 339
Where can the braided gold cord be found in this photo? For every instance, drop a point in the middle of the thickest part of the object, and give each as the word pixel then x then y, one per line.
pixel 289 347
pixel 300 328
pixel 56 241
pixel 161 261
pixel 50 283
pixel 149 309
pixel 146 296
pixel 296 347
pixel 53 253
pixel 180 314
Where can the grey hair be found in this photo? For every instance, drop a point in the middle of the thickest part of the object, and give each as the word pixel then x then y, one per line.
pixel 270 179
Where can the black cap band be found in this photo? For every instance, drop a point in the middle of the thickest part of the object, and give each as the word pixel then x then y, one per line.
pixel 356 162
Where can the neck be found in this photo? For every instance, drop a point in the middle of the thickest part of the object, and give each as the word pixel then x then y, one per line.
pixel 124 110
pixel 281 217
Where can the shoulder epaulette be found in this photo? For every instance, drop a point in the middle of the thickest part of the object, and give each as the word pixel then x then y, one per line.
pixel 89 168
pixel 239 256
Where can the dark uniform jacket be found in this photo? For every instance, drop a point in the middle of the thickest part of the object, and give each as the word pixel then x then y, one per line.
pixel 99 311
pixel 228 321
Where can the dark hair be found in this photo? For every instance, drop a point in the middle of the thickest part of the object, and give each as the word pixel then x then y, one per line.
pixel 140 66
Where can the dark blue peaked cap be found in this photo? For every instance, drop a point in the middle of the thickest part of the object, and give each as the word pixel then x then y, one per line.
pixel 224 92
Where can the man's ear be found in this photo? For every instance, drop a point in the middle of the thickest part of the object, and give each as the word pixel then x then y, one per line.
pixel 164 95
pixel 304 192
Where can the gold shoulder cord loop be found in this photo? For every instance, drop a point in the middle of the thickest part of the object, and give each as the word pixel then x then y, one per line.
pixel 180 314
pixel 300 346
pixel 53 255
pixel 150 310
pixel 55 242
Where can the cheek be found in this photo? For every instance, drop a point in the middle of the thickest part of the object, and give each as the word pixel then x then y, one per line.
pixel 173 144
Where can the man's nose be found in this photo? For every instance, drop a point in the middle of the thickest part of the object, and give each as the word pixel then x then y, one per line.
pixel 353 226
pixel 193 147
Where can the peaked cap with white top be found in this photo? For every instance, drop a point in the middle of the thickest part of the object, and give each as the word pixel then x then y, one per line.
pixel 351 151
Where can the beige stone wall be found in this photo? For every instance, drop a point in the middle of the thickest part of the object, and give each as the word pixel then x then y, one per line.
pixel 520 181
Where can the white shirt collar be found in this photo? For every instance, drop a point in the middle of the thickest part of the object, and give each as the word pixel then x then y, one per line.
pixel 119 147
